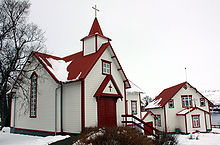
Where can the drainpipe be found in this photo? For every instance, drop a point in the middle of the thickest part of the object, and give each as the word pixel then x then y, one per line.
pixel 55 127
pixel 61 108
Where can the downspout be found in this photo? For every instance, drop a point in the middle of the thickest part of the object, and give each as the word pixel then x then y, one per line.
pixel 55 127
pixel 61 108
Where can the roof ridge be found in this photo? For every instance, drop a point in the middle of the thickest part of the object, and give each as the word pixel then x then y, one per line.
pixel 95 28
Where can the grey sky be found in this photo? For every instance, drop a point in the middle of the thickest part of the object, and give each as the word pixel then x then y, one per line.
pixel 153 39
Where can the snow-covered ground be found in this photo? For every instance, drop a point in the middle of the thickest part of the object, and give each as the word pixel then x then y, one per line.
pixel 211 138
pixel 7 138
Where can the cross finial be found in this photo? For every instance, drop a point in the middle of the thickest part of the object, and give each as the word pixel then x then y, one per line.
pixel 95 10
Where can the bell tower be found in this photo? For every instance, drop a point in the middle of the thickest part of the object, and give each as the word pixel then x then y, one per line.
pixel 95 39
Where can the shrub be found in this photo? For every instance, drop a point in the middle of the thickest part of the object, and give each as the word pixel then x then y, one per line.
pixel 164 138
pixel 113 136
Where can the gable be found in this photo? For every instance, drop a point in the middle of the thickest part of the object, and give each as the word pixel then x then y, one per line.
pixel 104 89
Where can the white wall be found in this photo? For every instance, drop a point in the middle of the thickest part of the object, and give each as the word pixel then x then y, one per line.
pixel 72 107
pixel 159 111
pixel 100 41
pixel 45 119
pixel 133 96
pixel 89 46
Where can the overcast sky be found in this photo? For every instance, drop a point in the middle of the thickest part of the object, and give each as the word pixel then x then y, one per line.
pixel 154 40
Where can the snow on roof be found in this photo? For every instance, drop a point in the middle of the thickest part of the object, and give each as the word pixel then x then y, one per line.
pixel 184 111
pixel 134 88
pixel 59 69
pixel 154 104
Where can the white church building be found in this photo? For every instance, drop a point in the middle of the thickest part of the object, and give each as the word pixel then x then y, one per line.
pixel 81 90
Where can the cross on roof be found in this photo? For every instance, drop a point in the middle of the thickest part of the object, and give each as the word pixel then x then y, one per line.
pixel 110 87
pixel 95 10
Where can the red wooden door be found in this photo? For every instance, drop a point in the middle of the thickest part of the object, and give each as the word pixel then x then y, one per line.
pixel 149 129
pixel 107 112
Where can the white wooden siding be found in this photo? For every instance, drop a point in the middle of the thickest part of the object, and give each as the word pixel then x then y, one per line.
pixel 72 107
pixel 89 46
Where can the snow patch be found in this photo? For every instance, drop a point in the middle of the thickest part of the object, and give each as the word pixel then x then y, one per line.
pixel 7 138
pixel 184 111
pixel 59 69
pixel 154 104
pixel 134 88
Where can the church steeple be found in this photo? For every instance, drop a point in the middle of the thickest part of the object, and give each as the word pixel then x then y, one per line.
pixel 94 40
pixel 95 28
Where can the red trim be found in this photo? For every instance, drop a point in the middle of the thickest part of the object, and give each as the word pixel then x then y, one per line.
pixel 107 62
pixel 104 84
pixel 45 131
pixel 34 74
pixel 165 119
pixel 172 103
pixel 205 122
pixel 82 104
pixel 140 105
pixel 186 124
pixel 89 36
pixel 201 102
pixel 190 96
pixel 149 112
pixel 198 119
pixel 210 117
pixel 126 105
pixel 136 106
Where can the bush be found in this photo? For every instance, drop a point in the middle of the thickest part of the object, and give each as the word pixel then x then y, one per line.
pixel 164 138
pixel 113 136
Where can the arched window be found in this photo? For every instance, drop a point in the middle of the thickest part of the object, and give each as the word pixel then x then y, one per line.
pixel 33 96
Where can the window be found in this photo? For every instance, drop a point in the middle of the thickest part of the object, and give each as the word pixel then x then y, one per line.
pixel 33 96
pixel 106 67
pixel 202 102
pixel 187 101
pixel 134 107
pixel 171 104
pixel 158 121
pixel 195 120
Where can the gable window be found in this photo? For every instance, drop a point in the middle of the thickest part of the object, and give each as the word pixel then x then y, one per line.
pixel 33 96
pixel 106 67
pixel 134 107
pixel 196 121
pixel 158 121
pixel 202 102
pixel 187 101
pixel 171 103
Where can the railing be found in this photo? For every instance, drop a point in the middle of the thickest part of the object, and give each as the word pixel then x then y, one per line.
pixel 138 125
pixel 215 126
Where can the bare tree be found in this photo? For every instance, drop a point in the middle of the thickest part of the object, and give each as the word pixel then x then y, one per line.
pixel 18 39
pixel 145 101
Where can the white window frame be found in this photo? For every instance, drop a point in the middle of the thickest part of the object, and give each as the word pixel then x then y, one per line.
pixel 196 121
pixel 106 67
pixel 186 101
pixel 134 107
pixel 33 96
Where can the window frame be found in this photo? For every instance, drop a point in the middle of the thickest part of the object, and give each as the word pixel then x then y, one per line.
pixel 188 96
pixel 158 120
pixel 171 100
pixel 35 109
pixel 201 102
pixel 198 121
pixel 133 101
pixel 106 62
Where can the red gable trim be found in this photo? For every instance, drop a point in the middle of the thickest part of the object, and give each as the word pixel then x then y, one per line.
pixel 147 113
pixel 101 88
pixel 192 110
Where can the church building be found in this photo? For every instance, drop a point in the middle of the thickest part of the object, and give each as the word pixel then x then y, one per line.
pixel 68 94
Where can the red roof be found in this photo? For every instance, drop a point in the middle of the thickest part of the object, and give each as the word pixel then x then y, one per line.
pixel 78 64
pixel 167 94
pixel 95 28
